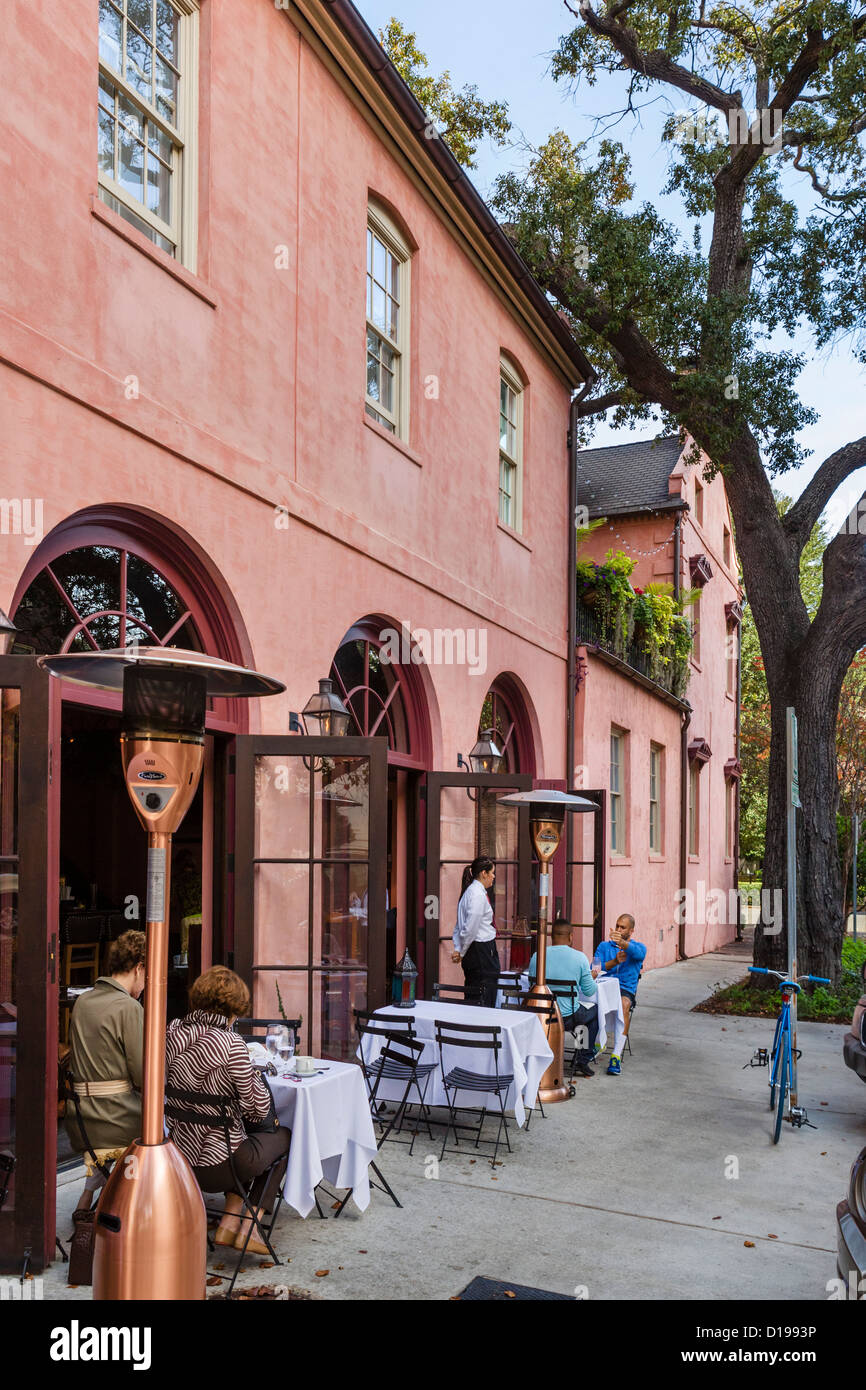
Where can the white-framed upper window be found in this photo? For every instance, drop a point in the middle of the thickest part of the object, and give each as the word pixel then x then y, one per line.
pixel 388 266
pixel 511 391
pixel 617 792
pixel 694 807
pixel 699 502
pixel 148 95
pixel 655 799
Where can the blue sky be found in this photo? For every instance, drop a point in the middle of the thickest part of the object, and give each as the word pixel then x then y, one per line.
pixel 504 48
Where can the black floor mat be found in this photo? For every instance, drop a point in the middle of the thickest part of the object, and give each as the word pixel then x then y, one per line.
pixel 494 1291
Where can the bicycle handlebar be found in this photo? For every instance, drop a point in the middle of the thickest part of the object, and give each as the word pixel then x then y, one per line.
pixel 761 970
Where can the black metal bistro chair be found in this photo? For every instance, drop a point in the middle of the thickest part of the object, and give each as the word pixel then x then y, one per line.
pixel 258 1028
pixel 568 998
pixel 545 1009
pixel 394 1064
pixel 457 994
pixel 214 1112
pixel 399 1056
pixel 631 1015
pixel 478 1036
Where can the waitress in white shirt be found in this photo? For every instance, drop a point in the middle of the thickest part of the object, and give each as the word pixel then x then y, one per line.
pixel 474 936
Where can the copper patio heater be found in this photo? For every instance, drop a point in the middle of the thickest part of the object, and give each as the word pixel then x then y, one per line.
pixel 546 820
pixel 151 1226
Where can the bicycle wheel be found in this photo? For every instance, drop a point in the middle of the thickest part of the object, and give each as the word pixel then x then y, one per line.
pixel 782 1090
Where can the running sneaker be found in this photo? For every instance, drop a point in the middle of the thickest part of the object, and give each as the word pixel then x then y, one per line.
pixel 614 1068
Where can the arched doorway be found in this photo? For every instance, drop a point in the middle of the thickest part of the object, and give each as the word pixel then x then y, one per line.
pixel 101 580
pixel 386 698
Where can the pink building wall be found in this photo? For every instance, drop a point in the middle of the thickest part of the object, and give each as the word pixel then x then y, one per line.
pixel 250 378
pixel 645 884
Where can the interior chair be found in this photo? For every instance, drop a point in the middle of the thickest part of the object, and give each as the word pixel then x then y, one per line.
pixel 214 1112
pixel 480 1037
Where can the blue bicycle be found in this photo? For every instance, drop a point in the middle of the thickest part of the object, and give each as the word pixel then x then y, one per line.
pixel 782 1054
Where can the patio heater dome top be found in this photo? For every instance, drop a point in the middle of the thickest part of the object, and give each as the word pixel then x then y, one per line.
pixel 104 670
pixel 540 798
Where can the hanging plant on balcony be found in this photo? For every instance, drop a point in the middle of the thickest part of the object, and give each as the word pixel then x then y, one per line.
pixel 662 632
pixel 607 589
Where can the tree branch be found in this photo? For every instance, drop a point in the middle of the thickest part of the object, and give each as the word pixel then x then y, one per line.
pixel 839 629
pixel 600 404
pixel 799 520
pixel 655 63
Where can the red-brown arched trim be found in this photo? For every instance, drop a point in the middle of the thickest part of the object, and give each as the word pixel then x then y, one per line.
pixel 506 709
pixel 183 564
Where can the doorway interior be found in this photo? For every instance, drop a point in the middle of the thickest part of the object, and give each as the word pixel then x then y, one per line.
pixel 103 872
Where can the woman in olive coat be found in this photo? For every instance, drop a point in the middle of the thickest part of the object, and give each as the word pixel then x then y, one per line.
pixel 106 1036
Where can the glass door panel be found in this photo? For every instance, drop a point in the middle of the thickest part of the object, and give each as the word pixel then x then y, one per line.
pixel 464 820
pixel 311 854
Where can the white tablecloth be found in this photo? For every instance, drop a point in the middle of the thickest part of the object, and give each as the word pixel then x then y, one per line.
pixel 608 996
pixel 332 1133
pixel 525 1054
pixel 610 1016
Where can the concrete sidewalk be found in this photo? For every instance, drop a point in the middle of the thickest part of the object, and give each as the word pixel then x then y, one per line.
pixel 622 1192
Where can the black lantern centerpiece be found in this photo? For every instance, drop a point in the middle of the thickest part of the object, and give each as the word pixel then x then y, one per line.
pixel 403 983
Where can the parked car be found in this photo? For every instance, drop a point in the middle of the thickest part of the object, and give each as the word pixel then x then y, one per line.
pixel 851 1231
pixel 854 1042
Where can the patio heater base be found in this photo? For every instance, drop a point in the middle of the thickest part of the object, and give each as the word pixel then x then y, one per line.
pixel 151 1229
pixel 552 1086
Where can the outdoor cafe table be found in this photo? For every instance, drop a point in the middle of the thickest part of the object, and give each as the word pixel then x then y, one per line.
pixel 525 1053
pixel 611 1019
pixel 332 1133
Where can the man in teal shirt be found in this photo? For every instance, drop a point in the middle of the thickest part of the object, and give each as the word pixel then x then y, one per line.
pixel 564 963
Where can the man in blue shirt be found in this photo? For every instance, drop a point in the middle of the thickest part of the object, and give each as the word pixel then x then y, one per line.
pixel 623 958
pixel 564 963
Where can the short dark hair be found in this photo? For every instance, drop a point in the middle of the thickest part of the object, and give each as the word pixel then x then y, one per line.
pixel 626 917
pixel 128 951
pixel 562 929
pixel 220 991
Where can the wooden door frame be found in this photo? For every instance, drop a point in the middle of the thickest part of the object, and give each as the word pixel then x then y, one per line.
pixel 435 781
pixel 30 1225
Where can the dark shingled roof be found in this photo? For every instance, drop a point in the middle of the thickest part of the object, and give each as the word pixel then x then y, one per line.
pixel 628 478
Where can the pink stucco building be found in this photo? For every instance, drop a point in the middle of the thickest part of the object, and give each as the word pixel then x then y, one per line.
pixel 664 751
pixel 275 386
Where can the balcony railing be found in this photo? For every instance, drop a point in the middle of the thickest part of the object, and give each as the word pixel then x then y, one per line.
pixel 671 675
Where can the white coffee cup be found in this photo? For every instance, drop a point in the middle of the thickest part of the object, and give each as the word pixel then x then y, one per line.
pixel 304 1065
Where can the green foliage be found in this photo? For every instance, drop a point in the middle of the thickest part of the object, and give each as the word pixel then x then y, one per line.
pixel 817 1005
pixel 461 118
pixel 797 263
pixel 650 617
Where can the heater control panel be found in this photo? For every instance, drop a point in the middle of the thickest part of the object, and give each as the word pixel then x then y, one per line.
pixel 161 778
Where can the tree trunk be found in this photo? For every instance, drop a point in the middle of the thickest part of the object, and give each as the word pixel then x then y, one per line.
pixel 815 697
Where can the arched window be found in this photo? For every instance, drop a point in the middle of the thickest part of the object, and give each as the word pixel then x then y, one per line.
pixel 99 597
pixel 504 711
pixel 384 696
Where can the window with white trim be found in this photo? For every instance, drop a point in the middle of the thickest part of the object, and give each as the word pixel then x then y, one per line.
pixel 388 262
pixel 146 118
pixel 694 807
pixel 510 446
pixel 730 803
pixel 617 792
pixel 655 799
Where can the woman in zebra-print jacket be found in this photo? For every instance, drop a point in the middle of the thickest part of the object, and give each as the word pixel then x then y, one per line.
pixel 205 1055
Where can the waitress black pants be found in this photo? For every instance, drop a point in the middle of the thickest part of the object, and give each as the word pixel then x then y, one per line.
pixel 481 971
